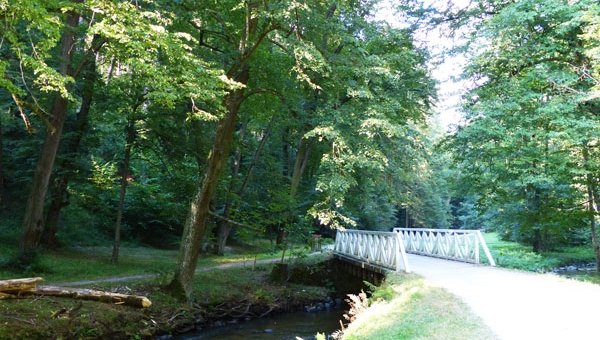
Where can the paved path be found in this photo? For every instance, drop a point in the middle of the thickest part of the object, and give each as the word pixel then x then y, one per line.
pixel 519 305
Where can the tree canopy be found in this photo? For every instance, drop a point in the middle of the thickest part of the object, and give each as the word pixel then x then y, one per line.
pixel 526 151
pixel 189 123
pixel 274 118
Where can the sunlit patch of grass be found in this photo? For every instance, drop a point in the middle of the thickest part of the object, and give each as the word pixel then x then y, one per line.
pixel 417 310
pixel 91 263
pixel 250 285
pixel 517 256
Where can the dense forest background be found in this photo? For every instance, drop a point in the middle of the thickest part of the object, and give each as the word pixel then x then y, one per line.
pixel 191 124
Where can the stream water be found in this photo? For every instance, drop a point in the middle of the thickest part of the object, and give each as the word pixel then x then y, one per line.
pixel 278 327
pixel 587 276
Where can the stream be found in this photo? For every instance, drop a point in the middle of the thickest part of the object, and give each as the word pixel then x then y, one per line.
pixel 278 327
pixel 587 276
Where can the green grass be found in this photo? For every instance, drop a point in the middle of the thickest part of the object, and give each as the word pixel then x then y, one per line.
pixel 518 256
pixel 91 263
pixel 416 310
pixel 216 291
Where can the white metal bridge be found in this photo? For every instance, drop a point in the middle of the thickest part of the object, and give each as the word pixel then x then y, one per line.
pixel 387 250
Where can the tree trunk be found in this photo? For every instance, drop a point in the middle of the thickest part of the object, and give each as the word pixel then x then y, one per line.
pixel 1 162
pixel 59 200
pixel 32 225
pixel 60 195
pixel 16 286
pixel 195 224
pixel 304 150
pixel 594 200
pixel 300 164
pixel 124 180
pixel 223 231
pixel 593 207
pixel 223 226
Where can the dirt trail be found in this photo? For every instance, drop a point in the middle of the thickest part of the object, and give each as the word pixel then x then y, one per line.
pixel 149 276
pixel 518 305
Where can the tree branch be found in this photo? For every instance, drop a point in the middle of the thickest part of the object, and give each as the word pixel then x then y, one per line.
pixel 235 223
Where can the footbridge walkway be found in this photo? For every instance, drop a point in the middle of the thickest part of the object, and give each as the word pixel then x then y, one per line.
pixel 383 251
pixel 514 304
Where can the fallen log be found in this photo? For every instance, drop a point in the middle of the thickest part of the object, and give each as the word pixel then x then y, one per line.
pixel 93 295
pixel 15 286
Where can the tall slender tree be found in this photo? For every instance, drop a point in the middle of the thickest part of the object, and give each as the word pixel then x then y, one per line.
pixel 32 225
pixel 521 147
pixel 134 36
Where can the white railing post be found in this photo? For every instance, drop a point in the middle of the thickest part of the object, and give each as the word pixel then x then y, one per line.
pixel 460 245
pixel 384 249
pixel 476 249
pixel 485 249
pixel 401 253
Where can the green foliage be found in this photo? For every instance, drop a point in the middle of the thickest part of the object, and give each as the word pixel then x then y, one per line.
pixel 19 152
pixel 524 260
pixel 520 155
pixel 383 292
pixel 355 91
pixel 510 254
pixel 371 133
pixel 33 51
pixel 28 264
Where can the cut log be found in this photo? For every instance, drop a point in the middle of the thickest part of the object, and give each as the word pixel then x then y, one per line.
pixel 15 286
pixel 93 295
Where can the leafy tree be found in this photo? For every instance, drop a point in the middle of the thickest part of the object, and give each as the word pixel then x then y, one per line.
pixel 32 222
pixel 372 125
pixel 137 38
pixel 233 34
pixel 521 148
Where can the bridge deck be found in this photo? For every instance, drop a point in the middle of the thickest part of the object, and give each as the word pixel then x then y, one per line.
pixel 362 264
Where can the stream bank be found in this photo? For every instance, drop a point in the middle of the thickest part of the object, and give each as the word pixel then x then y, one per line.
pixel 222 297
pixel 312 290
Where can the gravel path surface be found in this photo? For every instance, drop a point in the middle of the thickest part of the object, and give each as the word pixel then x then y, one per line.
pixel 519 305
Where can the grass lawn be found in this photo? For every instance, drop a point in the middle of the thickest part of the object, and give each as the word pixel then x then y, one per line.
pixel 90 263
pixel 518 256
pixel 413 309
pixel 217 292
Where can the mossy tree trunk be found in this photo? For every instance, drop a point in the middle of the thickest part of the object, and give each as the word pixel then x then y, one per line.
pixel 59 194
pixel 195 224
pixel 32 225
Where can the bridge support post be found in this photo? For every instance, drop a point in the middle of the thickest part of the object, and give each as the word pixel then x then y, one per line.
pixel 401 254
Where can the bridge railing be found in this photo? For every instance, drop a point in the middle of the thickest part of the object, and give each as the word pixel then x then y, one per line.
pixel 460 245
pixel 384 249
